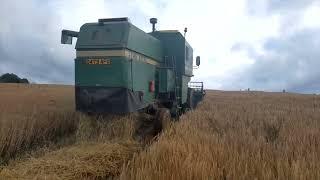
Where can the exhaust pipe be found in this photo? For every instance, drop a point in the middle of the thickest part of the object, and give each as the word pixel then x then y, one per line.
pixel 153 21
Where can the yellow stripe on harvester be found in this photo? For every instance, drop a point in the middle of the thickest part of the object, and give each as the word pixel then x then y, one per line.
pixel 118 53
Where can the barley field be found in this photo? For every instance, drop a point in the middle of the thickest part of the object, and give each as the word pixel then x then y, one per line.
pixel 32 115
pixel 231 135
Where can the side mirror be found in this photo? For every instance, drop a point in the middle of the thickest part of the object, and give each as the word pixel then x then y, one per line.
pixel 66 36
pixel 65 39
pixel 198 60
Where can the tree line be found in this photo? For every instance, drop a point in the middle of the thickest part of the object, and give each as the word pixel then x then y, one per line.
pixel 12 78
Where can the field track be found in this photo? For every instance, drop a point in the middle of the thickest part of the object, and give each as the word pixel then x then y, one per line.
pixel 231 135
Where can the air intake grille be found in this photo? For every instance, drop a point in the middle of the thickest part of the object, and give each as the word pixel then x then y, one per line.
pixel 113 20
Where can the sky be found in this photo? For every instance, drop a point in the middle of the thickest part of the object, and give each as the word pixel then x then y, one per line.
pixel 267 45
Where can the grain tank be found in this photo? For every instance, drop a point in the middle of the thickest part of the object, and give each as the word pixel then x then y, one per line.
pixel 121 69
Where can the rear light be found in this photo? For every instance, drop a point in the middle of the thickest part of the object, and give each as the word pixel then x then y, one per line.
pixel 151 86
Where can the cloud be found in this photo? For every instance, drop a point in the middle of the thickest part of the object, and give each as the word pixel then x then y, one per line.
pixel 286 60
pixel 30 38
pixel 290 62
pixel 253 44
pixel 284 7
pixel 288 5
pixel 29 43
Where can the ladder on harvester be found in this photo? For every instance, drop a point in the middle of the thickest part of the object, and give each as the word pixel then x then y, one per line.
pixel 176 85
pixel 171 64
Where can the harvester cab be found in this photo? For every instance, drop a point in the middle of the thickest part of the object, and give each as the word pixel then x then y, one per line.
pixel 120 68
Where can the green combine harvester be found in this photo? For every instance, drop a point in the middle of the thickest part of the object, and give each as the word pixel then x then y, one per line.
pixel 121 69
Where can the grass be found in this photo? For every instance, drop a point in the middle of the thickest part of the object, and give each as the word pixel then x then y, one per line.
pixel 100 150
pixel 231 135
pixel 235 135
pixel 33 115
pixel 76 162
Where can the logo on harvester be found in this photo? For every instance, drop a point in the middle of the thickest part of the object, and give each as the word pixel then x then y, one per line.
pixel 98 61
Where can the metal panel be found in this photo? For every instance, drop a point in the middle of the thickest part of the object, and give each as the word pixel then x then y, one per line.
pixel 118 35
pixel 184 90
pixel 142 75
pixel 108 99
pixel 95 36
pixel 121 72
pixel 141 42
pixel 115 74
pixel 176 46
pixel 128 54
pixel 166 80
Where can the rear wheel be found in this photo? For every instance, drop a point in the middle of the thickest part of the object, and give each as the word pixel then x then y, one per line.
pixel 163 118
pixel 175 110
pixel 144 127
pixel 149 126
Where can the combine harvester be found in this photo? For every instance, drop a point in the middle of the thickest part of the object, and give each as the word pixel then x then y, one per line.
pixel 121 69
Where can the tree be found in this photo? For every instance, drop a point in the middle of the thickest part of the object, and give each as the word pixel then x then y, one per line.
pixel 12 78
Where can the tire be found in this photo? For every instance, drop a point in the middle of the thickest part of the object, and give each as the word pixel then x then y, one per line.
pixel 174 110
pixel 163 118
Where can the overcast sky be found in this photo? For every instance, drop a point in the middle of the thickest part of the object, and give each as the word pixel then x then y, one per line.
pixel 258 44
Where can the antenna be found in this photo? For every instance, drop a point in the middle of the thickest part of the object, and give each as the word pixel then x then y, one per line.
pixel 185 32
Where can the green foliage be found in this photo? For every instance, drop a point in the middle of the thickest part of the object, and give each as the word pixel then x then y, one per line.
pixel 12 78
